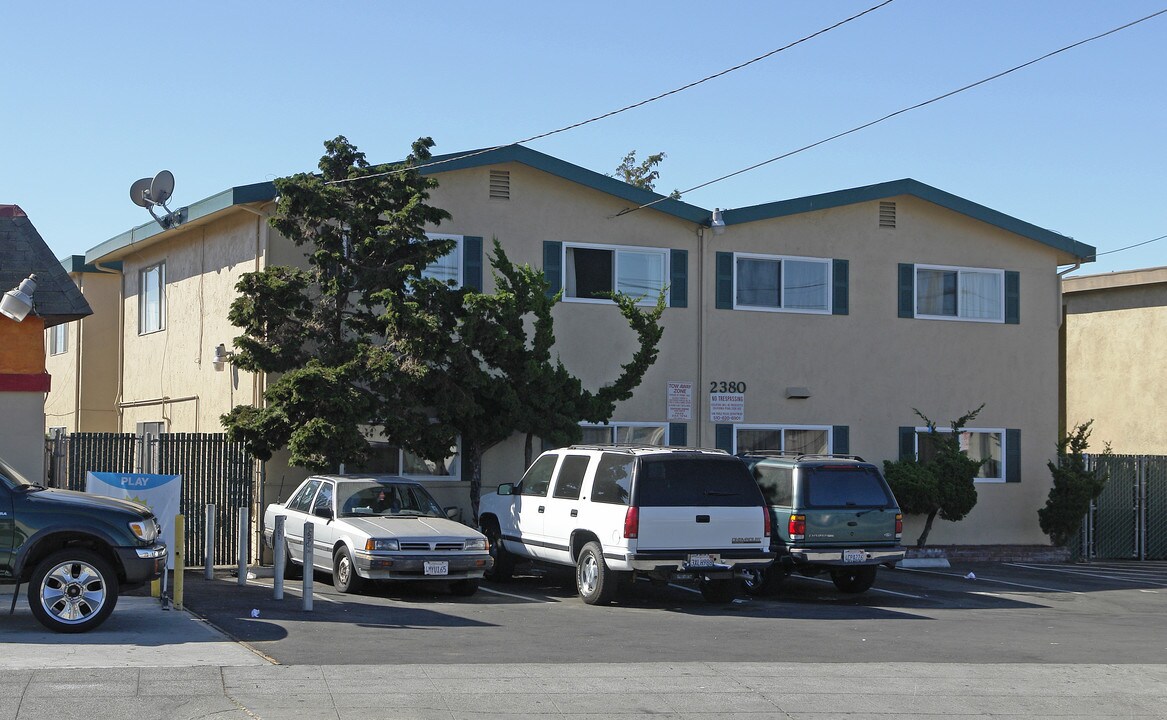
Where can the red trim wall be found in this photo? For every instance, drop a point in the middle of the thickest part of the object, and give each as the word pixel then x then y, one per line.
pixel 35 382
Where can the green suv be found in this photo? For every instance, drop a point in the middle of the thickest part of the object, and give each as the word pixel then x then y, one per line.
pixel 830 514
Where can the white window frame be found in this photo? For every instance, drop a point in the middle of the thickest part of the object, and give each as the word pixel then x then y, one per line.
pixel 960 272
pixel 781 428
pixel 58 339
pixel 151 315
pixel 964 446
pixel 457 252
pixel 825 262
pixel 649 298
pixel 615 427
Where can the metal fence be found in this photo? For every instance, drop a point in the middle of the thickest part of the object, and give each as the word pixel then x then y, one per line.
pixel 1129 519
pixel 214 471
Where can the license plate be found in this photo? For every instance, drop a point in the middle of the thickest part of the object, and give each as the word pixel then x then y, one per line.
pixel 437 567
pixel 702 560
pixel 854 556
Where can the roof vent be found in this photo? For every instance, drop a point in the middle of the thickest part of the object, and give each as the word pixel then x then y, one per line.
pixel 500 184
pixel 887 214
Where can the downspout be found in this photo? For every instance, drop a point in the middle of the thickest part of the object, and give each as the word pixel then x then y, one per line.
pixel 1061 276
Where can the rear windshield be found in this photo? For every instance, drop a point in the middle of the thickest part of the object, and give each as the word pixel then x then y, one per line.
pixel 695 482
pixel 844 486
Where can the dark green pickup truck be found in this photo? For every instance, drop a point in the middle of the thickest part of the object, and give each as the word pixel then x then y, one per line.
pixel 75 551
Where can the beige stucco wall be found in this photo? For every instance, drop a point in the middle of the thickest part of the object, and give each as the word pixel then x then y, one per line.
pixel 84 392
pixel 1116 339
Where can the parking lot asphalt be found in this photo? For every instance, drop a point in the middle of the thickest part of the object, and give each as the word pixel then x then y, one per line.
pixel 976 641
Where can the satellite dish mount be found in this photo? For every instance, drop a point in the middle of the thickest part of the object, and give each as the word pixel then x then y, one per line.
pixel 152 192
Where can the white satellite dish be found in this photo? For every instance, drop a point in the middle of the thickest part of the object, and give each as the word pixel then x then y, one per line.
pixel 138 192
pixel 162 187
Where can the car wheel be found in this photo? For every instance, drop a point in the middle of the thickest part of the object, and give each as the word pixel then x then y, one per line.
pixel 594 581
pixel 763 582
pixel 504 563
pixel 854 580
pixel 292 571
pixel 72 591
pixel 463 588
pixel 718 591
pixel 344 572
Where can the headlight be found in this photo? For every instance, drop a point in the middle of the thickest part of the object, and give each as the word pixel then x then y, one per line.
pixel 381 544
pixel 479 544
pixel 145 530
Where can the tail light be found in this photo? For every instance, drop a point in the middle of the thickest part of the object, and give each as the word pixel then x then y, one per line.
pixel 766 512
pixel 797 527
pixel 899 526
pixel 632 523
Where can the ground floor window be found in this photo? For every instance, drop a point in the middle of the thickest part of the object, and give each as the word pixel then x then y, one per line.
pixel 985 445
pixel 386 459
pixel 626 434
pixel 800 439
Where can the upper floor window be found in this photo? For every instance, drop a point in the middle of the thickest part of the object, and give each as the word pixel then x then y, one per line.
pixel 58 339
pixel 773 282
pixel 960 293
pixel 592 272
pixel 448 267
pixel 152 299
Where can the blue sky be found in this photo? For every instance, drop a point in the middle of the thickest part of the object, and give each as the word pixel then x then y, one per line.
pixel 98 95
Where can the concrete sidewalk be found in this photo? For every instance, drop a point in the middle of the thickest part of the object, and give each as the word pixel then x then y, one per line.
pixel 684 691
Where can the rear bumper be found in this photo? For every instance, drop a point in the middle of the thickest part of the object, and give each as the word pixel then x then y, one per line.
pixel 835 556
pixel 681 561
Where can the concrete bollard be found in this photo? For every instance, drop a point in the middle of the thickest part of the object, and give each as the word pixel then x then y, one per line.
pixel 309 561
pixel 279 547
pixel 243 535
pixel 179 558
pixel 209 561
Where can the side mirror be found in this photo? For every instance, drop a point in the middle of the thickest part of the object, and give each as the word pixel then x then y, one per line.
pixel 506 489
pixel 454 512
pixel 322 512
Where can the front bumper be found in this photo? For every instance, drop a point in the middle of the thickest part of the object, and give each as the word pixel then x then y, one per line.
pixel 409 566
pixel 838 556
pixel 142 564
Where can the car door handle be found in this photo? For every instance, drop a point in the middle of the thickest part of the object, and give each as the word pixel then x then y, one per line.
pixel 702 518
pixel 575 513
pixel 540 508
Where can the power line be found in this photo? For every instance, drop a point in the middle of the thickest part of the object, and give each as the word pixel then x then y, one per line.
pixel 1130 247
pixel 626 108
pixel 864 126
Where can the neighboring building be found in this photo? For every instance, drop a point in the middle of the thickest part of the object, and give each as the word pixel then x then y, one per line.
pixel 1115 373
pixel 56 302
pixel 814 324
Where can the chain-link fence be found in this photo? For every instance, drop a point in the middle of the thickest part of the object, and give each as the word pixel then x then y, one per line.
pixel 1129 519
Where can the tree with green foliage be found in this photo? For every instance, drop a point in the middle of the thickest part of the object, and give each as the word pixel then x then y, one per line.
pixel 943 483
pixel 642 175
pixel 320 330
pixel 1075 487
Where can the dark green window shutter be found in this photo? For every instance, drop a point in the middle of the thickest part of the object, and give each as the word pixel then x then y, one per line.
pixel 1013 455
pixel 840 282
pixel 1012 297
pixel 723 437
pixel 724 292
pixel 907 443
pixel 553 265
pixel 678 434
pixel 679 278
pixel 907 292
pixel 841 440
pixel 472 262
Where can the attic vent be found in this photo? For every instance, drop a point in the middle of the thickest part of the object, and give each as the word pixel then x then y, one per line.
pixel 887 214
pixel 500 184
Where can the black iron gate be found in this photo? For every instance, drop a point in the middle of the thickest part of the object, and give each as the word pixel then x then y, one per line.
pixel 1129 519
pixel 214 470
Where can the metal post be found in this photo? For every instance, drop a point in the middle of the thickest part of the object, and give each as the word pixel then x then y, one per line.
pixel 179 558
pixel 243 532
pixel 309 560
pixel 279 548
pixel 209 562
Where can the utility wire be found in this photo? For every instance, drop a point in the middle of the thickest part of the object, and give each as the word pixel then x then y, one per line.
pixel 626 108
pixel 902 111
pixel 1130 247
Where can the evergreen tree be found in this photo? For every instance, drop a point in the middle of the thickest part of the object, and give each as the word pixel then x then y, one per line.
pixel 1074 488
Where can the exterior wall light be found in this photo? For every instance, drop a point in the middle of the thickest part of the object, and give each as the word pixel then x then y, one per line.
pixel 17 302
pixel 718 224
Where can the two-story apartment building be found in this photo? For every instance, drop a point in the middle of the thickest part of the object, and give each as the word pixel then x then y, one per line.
pixel 816 324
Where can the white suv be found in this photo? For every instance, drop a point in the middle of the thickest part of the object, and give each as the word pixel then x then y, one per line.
pixel 615 512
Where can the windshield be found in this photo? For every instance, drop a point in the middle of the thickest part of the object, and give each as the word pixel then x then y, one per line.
pixel 14 479
pixel 374 498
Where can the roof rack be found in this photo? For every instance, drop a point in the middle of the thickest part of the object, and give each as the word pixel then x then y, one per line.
pixel 800 456
pixel 639 446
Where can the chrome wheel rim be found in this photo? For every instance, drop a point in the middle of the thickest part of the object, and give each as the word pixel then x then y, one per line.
pixel 343 571
pixel 752 579
pixel 72 592
pixel 588 574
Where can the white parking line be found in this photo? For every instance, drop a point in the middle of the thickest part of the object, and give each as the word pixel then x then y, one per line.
pixel 991 580
pixel 1118 574
pixel 874 589
pixel 293 589
pixel 518 597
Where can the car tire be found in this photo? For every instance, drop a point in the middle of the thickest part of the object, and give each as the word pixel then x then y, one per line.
pixel 72 591
pixel 344 572
pixel 854 580
pixel 504 563
pixel 292 571
pixel 463 588
pixel 718 591
pixel 595 583
pixel 763 582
